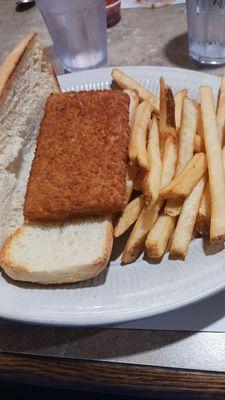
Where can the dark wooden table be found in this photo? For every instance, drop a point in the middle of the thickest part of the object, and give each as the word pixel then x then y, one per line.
pixel 139 380
pixel 165 364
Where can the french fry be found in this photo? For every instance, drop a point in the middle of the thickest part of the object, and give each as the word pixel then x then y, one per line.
pixel 204 212
pixel 199 118
pixel 169 161
pixel 173 206
pixel 159 235
pixel 129 190
pixel 137 146
pixel 136 240
pixel 187 134
pixel 215 165
pixel 132 172
pixel 167 124
pixel 223 156
pixel 220 114
pixel 199 144
pixel 134 102
pixel 178 98
pixel 183 183
pixel 138 183
pixel 148 216
pixel 127 82
pixel 151 183
pixel 195 198
pixel 129 216
pixel 199 123
pixel 186 222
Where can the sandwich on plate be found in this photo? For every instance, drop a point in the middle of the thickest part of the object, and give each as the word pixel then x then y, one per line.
pixel 63 167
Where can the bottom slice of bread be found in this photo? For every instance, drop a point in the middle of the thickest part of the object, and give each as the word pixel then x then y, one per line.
pixel 58 253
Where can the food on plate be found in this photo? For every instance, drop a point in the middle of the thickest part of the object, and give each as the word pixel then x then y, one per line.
pixel 186 221
pixel 185 181
pixel 187 133
pixel 127 82
pixel 215 164
pixel 220 115
pixel 129 215
pixel 80 161
pixel 58 253
pixel 185 186
pixel 204 212
pixel 26 80
pixel 35 252
pixel 169 161
pixel 136 241
pixel 134 101
pixel 199 117
pixel 138 183
pixel 173 206
pixel 159 236
pixel 179 98
pixel 138 141
pixel 148 216
pixel 118 158
pixel 199 144
pixel 132 172
pixel 152 180
pixel 167 123
pixel 129 189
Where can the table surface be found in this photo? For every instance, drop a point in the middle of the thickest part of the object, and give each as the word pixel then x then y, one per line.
pixel 143 37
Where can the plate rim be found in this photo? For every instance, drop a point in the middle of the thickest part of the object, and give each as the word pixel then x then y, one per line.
pixel 135 316
pixel 141 67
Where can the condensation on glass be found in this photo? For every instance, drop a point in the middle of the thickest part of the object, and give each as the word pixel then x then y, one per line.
pixel 206 30
pixel 78 31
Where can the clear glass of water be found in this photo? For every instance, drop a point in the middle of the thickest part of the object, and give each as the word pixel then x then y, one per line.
pixel 78 31
pixel 206 30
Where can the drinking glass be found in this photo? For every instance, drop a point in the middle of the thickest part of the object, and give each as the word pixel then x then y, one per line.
pixel 206 30
pixel 78 31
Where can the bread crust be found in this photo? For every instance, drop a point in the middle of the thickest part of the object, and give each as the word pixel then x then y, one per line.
pixel 84 272
pixel 9 65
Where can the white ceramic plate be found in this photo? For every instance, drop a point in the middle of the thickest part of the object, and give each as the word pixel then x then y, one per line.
pixel 130 292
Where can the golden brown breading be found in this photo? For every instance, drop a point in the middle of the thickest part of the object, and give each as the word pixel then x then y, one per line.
pixel 80 161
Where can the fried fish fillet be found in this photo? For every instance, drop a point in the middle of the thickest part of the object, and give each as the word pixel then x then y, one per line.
pixel 80 161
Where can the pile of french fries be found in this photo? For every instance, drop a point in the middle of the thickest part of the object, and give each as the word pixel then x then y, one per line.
pixel 176 179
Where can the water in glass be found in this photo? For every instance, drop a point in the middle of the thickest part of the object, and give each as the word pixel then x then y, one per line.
pixel 78 30
pixel 206 30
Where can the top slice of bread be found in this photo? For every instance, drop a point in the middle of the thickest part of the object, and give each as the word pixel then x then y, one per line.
pixel 26 80
pixel 80 162
pixel 30 252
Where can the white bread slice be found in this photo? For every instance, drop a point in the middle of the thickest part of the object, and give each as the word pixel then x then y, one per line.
pixel 58 253
pixel 26 80
pixel 45 254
